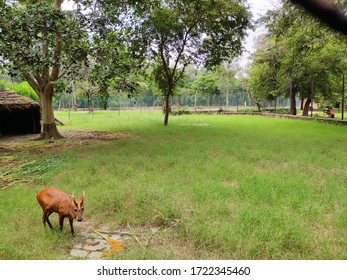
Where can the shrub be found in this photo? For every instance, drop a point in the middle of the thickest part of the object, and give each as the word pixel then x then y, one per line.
pixel 3 84
pixel 180 111
pixel 22 88
pixel 248 110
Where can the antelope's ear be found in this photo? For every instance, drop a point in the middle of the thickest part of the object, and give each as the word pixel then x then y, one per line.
pixel 73 200
pixel 82 198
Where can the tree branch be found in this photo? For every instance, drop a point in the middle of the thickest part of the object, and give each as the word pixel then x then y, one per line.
pixel 56 56
pixel 45 68
pixel 165 64
pixel 185 40
pixel 57 48
pixel 181 73
pixel 32 82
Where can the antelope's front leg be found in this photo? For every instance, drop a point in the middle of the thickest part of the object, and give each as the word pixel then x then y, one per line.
pixel 61 222
pixel 71 226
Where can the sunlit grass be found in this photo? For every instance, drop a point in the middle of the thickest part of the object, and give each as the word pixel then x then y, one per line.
pixel 237 187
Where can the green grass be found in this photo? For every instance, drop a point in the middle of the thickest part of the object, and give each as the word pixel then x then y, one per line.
pixel 220 187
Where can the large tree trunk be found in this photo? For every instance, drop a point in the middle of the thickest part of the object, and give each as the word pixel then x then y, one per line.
pixel 49 128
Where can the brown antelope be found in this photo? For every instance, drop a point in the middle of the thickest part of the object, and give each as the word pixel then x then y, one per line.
pixel 54 200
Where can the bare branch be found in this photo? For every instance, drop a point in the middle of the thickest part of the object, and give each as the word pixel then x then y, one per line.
pixel 45 68
pixel 56 56
pixel 32 82
pixel 165 63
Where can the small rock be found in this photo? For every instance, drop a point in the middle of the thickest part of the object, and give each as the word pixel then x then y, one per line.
pixel 95 247
pixel 78 253
pixel 116 237
pixel 78 246
pixel 95 256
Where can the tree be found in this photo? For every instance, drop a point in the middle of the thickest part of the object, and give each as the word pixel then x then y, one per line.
pixel 205 85
pixel 226 74
pixel 299 58
pixel 264 77
pixel 179 33
pixel 117 54
pixel 41 43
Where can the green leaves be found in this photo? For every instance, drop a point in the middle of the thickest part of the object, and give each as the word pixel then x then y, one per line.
pixel 297 48
pixel 205 85
pixel 31 34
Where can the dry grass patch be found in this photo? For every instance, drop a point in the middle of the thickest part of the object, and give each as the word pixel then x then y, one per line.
pixel 73 138
pixel 17 167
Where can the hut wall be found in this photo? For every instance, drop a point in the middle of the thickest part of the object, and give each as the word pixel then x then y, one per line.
pixel 20 121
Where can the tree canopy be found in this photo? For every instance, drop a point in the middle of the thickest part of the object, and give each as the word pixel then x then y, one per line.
pixel 201 32
pixel 41 43
pixel 298 57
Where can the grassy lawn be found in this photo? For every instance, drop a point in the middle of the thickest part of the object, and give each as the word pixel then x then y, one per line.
pixel 216 187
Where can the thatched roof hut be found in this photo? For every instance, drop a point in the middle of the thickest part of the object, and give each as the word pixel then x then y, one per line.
pixel 18 114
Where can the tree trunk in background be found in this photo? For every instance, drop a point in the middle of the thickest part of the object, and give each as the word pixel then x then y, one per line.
pixel 90 105
pixel 306 107
pixel 227 98
pixel 343 97
pixel 167 108
pixel 195 99
pixel 292 100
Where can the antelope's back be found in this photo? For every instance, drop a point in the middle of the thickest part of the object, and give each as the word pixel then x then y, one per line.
pixel 52 198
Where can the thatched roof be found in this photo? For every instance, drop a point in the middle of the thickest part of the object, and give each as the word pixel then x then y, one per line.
pixel 11 101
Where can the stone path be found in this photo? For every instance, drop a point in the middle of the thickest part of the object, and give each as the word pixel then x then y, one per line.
pixel 94 246
pixel 91 245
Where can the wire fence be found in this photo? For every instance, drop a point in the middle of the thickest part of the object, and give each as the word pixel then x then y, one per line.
pixel 150 102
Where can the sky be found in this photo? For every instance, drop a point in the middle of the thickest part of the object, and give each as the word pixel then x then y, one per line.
pixel 258 9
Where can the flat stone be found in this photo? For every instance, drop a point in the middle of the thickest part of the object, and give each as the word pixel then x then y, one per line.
pixel 78 253
pixel 96 246
pixel 78 246
pixel 95 255
pixel 116 237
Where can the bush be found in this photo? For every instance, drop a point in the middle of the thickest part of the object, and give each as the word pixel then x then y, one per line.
pixel 180 111
pixel 22 88
pixel 284 111
pixel 248 110
pixel 3 85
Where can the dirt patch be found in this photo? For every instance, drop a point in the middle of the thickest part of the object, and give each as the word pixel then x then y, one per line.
pixel 72 138
pixel 17 165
